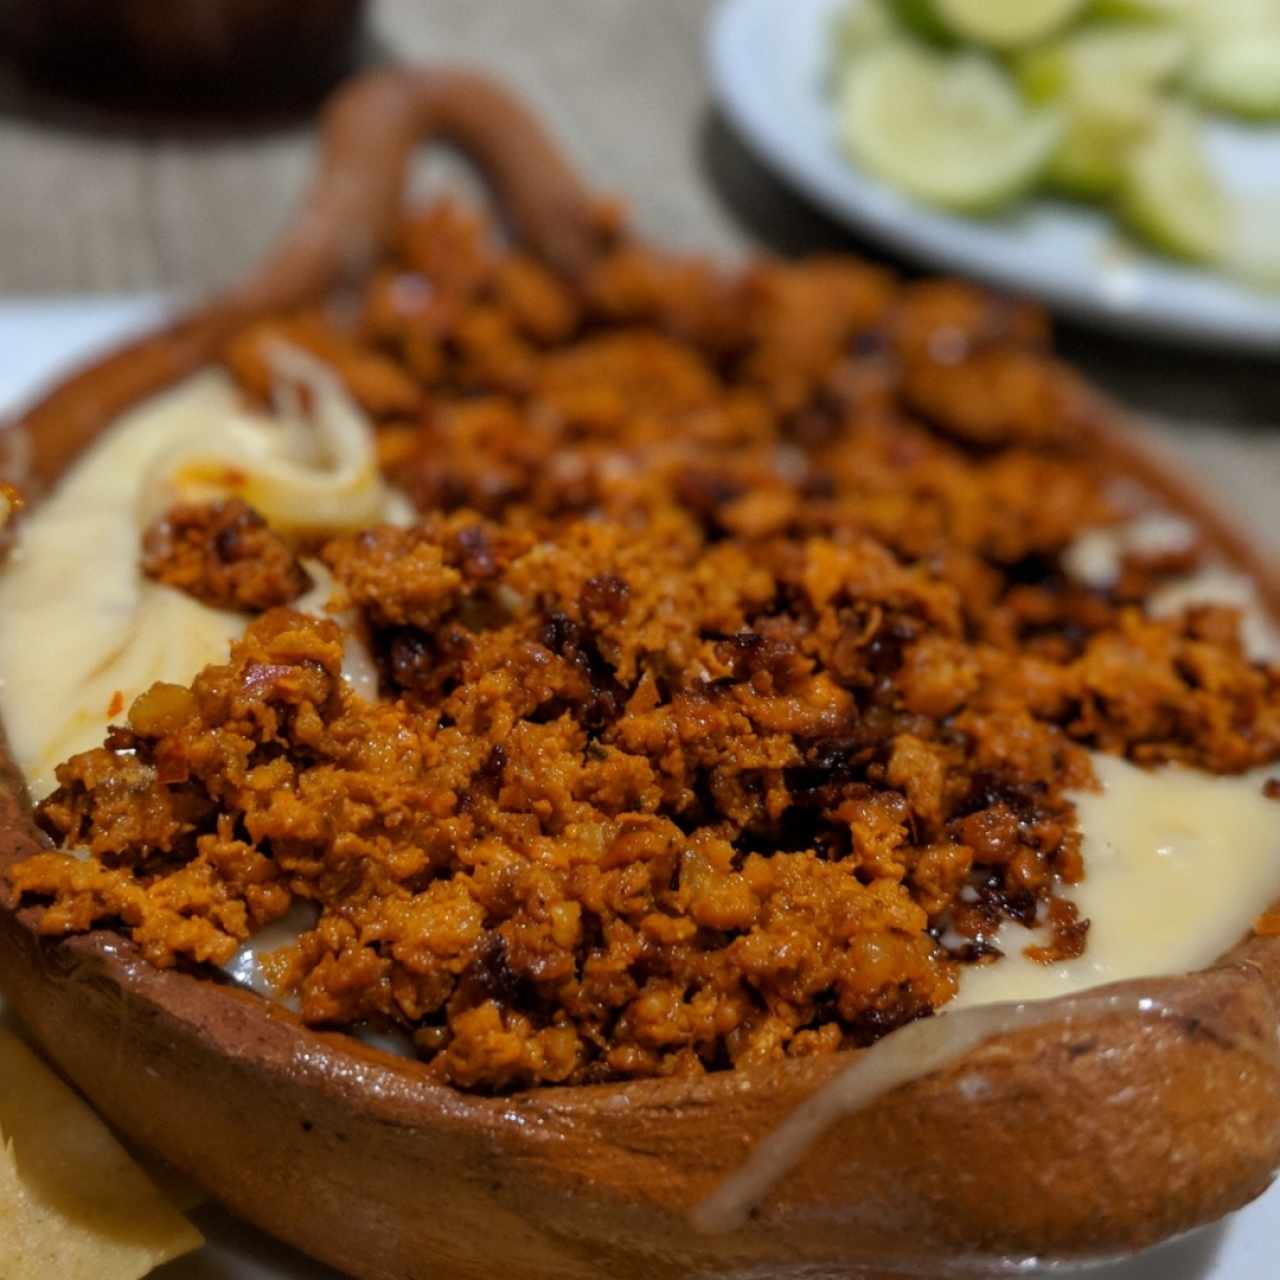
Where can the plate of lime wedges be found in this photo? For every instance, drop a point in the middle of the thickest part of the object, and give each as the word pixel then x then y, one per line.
pixel 1119 159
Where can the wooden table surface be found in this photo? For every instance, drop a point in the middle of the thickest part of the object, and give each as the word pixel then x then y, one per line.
pixel 96 202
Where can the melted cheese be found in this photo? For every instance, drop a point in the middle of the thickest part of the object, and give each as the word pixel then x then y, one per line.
pixel 1216 584
pixel 82 632
pixel 248 967
pixel 305 471
pixel 1096 557
pixel 358 667
pixel 1178 864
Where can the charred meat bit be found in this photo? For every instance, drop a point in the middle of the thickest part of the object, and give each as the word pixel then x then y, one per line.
pixel 223 554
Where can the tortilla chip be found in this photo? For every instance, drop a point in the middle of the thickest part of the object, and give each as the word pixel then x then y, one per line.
pixel 72 1202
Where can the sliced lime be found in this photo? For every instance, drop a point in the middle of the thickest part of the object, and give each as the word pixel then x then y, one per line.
pixel 1170 196
pixel 863 25
pixel 921 18
pixel 1239 73
pixel 1104 77
pixel 1006 24
pixel 1102 57
pixel 1139 10
pixel 1101 129
pixel 948 129
pixel 1224 17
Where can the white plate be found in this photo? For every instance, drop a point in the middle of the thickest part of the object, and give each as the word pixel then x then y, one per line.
pixel 767 62
pixel 39 339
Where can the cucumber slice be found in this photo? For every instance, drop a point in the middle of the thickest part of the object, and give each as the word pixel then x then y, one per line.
pixel 951 130
pixel 1102 128
pixel 1239 74
pixel 1102 58
pixel 1170 196
pixel 1006 24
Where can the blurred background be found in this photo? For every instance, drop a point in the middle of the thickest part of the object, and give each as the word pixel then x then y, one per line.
pixel 160 145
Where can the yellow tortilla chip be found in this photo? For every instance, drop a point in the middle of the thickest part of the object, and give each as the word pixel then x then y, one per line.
pixel 184 1193
pixel 72 1202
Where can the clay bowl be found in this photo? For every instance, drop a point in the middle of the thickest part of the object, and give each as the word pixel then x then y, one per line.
pixel 1086 1138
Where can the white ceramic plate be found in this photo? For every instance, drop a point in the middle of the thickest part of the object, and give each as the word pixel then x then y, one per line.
pixel 39 340
pixel 768 60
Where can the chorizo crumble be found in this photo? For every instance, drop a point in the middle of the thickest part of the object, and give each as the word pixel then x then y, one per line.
pixel 731 681
pixel 223 554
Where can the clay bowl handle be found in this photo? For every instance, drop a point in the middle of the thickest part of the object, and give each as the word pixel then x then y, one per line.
pixel 369 134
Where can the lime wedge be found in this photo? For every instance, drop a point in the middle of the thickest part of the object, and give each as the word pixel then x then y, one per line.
pixel 1101 129
pixel 1139 10
pixel 1006 24
pixel 1226 16
pixel 1104 77
pixel 1103 57
pixel 1235 63
pixel 1239 73
pixel 948 129
pixel 1170 196
pixel 920 18
pixel 863 25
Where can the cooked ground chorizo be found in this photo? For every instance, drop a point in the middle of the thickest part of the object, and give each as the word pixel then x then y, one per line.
pixel 729 676
pixel 224 554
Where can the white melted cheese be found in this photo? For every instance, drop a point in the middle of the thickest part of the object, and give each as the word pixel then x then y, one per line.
pixel 1178 865
pixel 359 669
pixel 247 967
pixel 1217 584
pixel 307 470
pixel 1096 557
pixel 82 632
